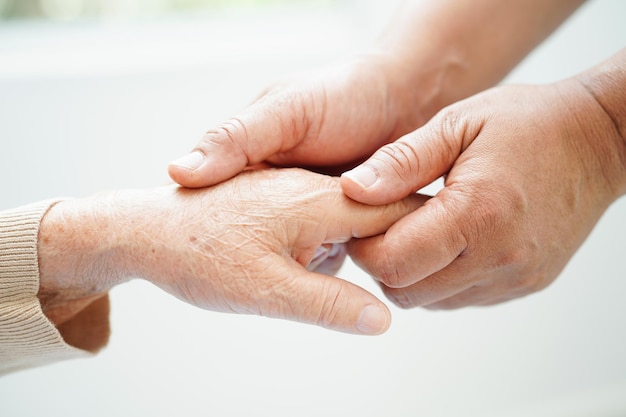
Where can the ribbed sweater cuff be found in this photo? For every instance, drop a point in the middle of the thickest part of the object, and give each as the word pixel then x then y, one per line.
pixel 27 337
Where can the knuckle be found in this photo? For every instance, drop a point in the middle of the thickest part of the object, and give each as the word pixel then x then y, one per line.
pixel 402 158
pixel 513 259
pixel 489 212
pixel 531 283
pixel 232 133
pixel 523 255
pixel 301 124
pixel 291 111
pixel 455 129
pixel 450 123
pixel 333 306
pixel 389 270
pixel 390 275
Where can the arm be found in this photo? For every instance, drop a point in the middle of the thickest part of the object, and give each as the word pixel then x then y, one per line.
pixel 448 50
pixel 27 338
pixel 432 54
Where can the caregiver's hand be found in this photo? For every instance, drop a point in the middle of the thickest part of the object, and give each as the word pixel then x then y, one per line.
pixel 332 118
pixel 431 54
pixel 528 172
pixel 240 247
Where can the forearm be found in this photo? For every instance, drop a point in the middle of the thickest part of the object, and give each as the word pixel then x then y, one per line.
pixel 447 50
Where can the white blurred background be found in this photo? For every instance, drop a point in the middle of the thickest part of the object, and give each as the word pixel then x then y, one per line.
pixel 102 94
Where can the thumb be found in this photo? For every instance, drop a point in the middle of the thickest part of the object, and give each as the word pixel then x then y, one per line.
pixel 323 300
pixel 270 125
pixel 410 163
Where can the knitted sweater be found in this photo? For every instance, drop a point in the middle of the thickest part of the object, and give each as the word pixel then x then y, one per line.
pixel 27 337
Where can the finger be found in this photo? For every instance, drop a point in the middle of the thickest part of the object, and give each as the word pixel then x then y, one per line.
pixel 456 287
pixel 268 126
pixel 442 285
pixel 416 246
pixel 412 162
pixel 350 219
pixel 326 301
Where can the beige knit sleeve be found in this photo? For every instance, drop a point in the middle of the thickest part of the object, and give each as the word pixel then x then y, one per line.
pixel 27 337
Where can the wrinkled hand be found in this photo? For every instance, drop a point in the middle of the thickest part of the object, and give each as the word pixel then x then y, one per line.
pixel 528 172
pixel 240 247
pixel 330 120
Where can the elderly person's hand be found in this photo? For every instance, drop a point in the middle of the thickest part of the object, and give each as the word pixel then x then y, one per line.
pixel 240 247
pixel 528 172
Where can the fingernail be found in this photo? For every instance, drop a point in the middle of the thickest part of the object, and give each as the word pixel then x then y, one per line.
pixel 373 320
pixel 362 175
pixel 191 161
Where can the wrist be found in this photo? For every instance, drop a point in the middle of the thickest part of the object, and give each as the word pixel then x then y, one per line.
pixel 79 260
pixel 591 134
pixel 450 50
pixel 605 87
pixel 144 222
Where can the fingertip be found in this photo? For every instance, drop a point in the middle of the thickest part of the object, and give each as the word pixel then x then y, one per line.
pixel 368 185
pixel 356 183
pixel 350 187
pixel 190 162
pixel 184 169
pixel 198 169
pixel 363 176
pixel 335 304
pixel 187 179
pixel 374 319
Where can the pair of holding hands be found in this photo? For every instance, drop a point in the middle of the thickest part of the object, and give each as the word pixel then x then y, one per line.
pixel 528 172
